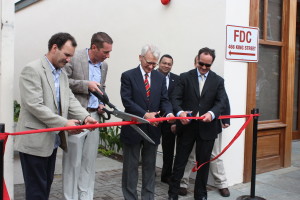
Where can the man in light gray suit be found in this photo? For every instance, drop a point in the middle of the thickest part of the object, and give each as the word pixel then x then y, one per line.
pixel 46 102
pixel 86 71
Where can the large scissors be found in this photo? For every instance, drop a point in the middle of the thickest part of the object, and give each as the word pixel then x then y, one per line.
pixel 122 115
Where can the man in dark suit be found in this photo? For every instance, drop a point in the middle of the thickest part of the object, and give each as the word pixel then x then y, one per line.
pixel 199 90
pixel 143 93
pixel 168 136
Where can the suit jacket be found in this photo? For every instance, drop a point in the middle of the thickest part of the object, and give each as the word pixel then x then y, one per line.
pixel 133 94
pixel 173 80
pixel 78 73
pixel 39 108
pixel 187 97
pixel 172 83
pixel 226 111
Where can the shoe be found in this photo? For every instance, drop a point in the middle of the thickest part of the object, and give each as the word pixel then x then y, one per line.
pixel 166 180
pixel 182 191
pixel 173 197
pixel 224 192
pixel 201 198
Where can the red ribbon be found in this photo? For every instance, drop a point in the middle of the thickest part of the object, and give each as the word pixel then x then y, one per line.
pixel 124 123
pixel 237 135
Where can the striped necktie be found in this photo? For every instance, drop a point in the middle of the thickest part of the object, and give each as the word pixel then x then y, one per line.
pixel 147 85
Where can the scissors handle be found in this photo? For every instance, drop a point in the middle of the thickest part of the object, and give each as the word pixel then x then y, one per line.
pixel 103 97
pixel 108 113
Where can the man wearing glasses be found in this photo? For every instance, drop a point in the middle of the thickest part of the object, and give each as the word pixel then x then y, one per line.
pixel 202 91
pixel 144 93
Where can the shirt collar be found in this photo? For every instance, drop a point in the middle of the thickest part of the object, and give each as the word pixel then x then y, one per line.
pixel 53 69
pixel 143 72
pixel 205 75
pixel 90 62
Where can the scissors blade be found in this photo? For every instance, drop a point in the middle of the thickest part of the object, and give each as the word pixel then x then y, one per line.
pixel 142 133
pixel 129 117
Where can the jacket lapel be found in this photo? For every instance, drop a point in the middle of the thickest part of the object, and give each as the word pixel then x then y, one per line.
pixel 103 72
pixel 207 82
pixel 171 83
pixel 50 79
pixel 139 81
pixel 195 82
pixel 154 86
pixel 62 86
pixel 85 65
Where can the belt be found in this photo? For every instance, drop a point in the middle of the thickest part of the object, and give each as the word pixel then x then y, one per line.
pixel 92 109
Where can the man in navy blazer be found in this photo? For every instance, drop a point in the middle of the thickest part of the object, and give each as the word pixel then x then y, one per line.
pixel 137 101
pixel 202 91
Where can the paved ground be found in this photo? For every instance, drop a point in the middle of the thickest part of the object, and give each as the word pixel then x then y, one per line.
pixel 281 184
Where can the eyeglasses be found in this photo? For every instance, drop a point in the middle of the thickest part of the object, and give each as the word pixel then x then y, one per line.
pixel 150 63
pixel 202 63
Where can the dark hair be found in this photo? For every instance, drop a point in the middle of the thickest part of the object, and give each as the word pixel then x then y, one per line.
pixel 99 38
pixel 60 39
pixel 195 59
pixel 167 56
pixel 207 51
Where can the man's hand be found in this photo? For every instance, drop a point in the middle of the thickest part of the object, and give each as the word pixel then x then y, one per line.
pixel 93 87
pixel 172 120
pixel 73 122
pixel 101 106
pixel 184 121
pixel 225 125
pixel 173 128
pixel 207 117
pixel 151 115
pixel 89 120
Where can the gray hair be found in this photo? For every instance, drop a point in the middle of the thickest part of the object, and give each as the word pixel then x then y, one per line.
pixel 152 48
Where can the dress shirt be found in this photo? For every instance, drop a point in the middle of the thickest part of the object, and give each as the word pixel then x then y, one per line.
pixel 94 75
pixel 199 79
pixel 149 75
pixel 168 80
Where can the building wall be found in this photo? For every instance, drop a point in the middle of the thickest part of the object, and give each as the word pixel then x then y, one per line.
pixel 180 29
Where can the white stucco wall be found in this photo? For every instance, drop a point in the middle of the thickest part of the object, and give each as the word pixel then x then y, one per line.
pixel 179 29
pixel 235 75
pixel 7 86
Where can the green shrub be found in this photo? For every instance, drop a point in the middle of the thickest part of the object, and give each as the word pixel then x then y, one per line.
pixel 17 108
pixel 105 152
pixel 110 137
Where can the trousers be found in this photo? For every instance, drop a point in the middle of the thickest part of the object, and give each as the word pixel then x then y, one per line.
pixel 38 173
pixel 132 153
pixel 216 167
pixel 79 164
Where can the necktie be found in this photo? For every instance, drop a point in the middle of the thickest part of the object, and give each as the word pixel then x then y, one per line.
pixel 201 83
pixel 147 85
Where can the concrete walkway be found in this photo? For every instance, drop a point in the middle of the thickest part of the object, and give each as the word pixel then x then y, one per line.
pixel 276 185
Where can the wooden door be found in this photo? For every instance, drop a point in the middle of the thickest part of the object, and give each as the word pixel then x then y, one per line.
pixel 271 84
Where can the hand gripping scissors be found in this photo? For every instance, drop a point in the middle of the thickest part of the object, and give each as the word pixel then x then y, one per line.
pixel 122 115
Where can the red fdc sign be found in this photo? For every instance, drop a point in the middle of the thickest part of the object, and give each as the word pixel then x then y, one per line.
pixel 241 43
